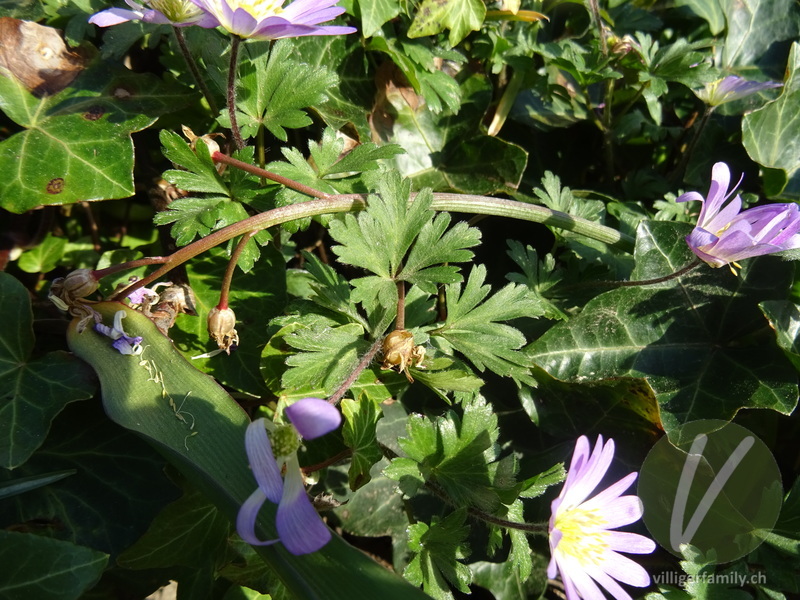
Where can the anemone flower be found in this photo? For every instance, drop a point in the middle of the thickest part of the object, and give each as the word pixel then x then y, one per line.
pixel 180 13
pixel 583 547
pixel 123 343
pixel 726 234
pixel 732 88
pixel 299 526
pixel 269 20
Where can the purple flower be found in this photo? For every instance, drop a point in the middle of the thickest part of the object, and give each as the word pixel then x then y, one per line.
pixel 583 547
pixel 732 88
pixel 298 524
pixel 123 343
pixel 725 234
pixel 180 13
pixel 269 20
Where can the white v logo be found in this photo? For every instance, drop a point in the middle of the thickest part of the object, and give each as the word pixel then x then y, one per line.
pixel 676 536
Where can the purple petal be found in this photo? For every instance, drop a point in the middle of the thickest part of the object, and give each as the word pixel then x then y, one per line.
pixel 262 462
pixel 622 511
pixel 609 494
pixel 242 23
pixel 275 32
pixel 128 345
pixel 247 517
pixel 632 543
pixel 613 588
pixel 584 585
pixel 590 475
pixel 313 417
pixel 625 570
pixel 114 16
pixel 299 526
pixel 138 296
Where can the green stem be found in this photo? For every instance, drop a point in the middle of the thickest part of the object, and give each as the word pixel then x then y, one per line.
pixel 237 135
pixel 276 216
pixel 192 64
pixel 465 203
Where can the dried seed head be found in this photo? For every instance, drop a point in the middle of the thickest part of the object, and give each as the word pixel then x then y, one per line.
pixel 78 284
pixel 399 351
pixel 222 328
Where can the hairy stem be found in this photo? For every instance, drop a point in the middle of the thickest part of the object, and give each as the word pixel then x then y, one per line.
pixel 194 69
pixel 362 364
pixel 132 264
pixel 229 270
pixel 400 320
pixel 237 135
pixel 290 183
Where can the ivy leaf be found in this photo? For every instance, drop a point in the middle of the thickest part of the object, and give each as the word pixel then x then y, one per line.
pixel 374 13
pixel 696 339
pixel 439 548
pixel 421 68
pixel 34 390
pixel 358 431
pixel 274 87
pixel 456 453
pixel 76 144
pixel 39 567
pixel 348 103
pixel 447 151
pixel 44 257
pixel 187 532
pixel 473 324
pixel 459 16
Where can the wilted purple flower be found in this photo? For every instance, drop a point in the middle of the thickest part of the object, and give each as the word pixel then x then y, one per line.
pixel 298 524
pixel 732 88
pixel 123 343
pixel 269 20
pixel 725 234
pixel 583 547
pixel 180 13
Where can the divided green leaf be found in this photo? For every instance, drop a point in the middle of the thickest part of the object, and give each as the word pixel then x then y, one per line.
pixel 474 324
pixel 439 549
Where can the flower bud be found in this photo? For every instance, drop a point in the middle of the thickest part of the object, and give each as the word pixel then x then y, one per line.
pixel 222 328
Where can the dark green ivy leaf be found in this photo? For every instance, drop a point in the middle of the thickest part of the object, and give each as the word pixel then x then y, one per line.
pixel 699 340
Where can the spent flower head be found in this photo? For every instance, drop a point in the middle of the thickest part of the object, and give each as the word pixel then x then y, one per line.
pixel 583 546
pixel 725 233
pixel 270 20
pixel 732 88
pixel 180 13
pixel 299 526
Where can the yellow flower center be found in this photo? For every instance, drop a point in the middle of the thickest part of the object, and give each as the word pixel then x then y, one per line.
pixel 177 11
pixel 259 9
pixel 583 536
